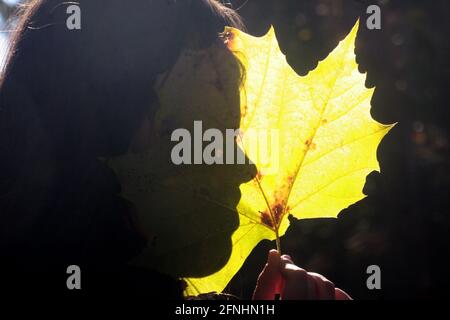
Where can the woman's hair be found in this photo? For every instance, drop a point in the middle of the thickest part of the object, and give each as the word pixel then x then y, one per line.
pixel 69 97
pixel 227 15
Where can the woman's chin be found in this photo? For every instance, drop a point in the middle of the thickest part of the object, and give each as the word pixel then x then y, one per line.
pixel 212 257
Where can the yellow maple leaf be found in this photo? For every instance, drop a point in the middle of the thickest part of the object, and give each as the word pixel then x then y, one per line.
pixel 323 136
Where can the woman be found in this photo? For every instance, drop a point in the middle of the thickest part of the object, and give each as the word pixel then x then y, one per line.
pixel 69 97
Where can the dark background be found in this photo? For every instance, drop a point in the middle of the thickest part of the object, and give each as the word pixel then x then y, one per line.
pixel 404 224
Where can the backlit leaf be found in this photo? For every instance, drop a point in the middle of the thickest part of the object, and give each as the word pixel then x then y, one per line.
pixel 327 142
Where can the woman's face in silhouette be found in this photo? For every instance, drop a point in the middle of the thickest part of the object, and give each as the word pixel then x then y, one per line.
pixel 189 213
pixel 84 96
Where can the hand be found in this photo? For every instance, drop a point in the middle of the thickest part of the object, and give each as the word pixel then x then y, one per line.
pixel 281 276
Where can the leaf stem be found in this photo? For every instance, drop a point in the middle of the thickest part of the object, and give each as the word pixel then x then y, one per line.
pixel 278 241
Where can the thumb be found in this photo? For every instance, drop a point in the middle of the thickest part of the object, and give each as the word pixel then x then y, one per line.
pixel 269 280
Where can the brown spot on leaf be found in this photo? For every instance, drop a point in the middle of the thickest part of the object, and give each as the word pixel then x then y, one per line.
pixel 324 121
pixel 290 180
pixel 244 110
pixel 308 142
pixel 310 145
pixel 277 211
pixel 266 219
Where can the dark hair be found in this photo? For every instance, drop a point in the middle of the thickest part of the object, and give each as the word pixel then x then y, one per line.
pixel 70 97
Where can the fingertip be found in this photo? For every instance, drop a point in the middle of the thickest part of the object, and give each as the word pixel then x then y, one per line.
pixel 273 257
pixel 341 295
